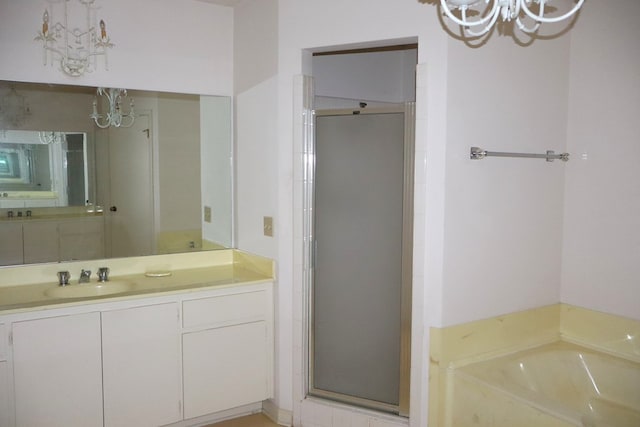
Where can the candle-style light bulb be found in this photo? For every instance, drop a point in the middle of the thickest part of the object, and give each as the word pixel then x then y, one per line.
pixel 103 30
pixel 45 22
pixel 95 107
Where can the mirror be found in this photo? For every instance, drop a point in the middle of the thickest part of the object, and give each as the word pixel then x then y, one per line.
pixel 51 166
pixel 162 185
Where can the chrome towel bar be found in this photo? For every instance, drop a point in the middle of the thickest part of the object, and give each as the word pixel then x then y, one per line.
pixel 478 153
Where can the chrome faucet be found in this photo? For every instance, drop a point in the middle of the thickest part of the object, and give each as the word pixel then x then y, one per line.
pixel 103 274
pixel 84 276
pixel 63 278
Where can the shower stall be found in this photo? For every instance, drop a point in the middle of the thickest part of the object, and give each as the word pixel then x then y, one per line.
pixel 360 225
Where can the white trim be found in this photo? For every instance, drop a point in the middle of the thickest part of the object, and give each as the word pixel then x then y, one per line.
pixel 277 415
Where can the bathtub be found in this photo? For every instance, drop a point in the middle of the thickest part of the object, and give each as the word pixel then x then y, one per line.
pixel 554 385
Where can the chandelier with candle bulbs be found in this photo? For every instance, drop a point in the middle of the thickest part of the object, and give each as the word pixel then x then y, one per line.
pixel 477 17
pixel 116 116
pixel 77 46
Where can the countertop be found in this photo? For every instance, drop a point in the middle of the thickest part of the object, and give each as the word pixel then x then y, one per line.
pixel 243 270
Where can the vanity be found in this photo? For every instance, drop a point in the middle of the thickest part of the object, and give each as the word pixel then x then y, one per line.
pixel 178 340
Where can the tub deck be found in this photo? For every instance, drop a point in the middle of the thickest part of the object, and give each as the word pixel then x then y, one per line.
pixel 559 384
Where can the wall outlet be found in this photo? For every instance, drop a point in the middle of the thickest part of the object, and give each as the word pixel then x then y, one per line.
pixel 268 226
pixel 207 214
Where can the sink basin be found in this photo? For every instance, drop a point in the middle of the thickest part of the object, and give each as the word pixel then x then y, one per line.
pixel 89 289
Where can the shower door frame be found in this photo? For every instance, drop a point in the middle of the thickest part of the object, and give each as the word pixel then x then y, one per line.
pixel 408 110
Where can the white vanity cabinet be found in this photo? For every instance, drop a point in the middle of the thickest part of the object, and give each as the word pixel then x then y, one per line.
pixel 4 379
pixel 4 395
pixel 226 352
pixel 141 366
pixel 57 371
pixel 144 361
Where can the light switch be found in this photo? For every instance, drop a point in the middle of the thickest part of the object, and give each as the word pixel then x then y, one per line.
pixel 207 214
pixel 268 226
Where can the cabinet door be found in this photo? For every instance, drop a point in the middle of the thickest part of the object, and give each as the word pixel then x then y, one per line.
pixel 141 364
pixel 4 395
pixel 11 244
pixel 41 243
pixel 224 368
pixel 57 371
pixel 82 239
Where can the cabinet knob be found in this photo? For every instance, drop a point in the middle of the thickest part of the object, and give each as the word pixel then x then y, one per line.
pixel 113 208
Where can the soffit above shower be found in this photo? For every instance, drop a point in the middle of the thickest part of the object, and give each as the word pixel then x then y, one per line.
pixel 230 3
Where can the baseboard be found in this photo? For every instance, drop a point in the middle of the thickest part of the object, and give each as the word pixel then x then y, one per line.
pixel 274 413
pixel 240 411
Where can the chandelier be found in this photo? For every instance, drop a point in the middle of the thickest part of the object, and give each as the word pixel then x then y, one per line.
pixel 51 137
pixel 13 109
pixel 115 117
pixel 76 47
pixel 477 17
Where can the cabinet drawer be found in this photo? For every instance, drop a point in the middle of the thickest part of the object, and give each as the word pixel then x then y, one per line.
pixel 226 309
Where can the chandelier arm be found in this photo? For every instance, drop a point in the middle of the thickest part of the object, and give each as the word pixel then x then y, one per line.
pixel 486 29
pixel 526 29
pixel 465 23
pixel 543 20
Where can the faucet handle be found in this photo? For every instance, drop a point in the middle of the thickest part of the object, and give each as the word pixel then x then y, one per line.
pixel 85 276
pixel 103 274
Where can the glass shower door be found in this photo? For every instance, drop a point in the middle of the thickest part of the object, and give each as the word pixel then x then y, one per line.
pixel 358 229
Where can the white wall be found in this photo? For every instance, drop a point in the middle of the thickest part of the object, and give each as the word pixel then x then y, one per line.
pixel 602 196
pixel 256 146
pixel 256 29
pixel 176 46
pixel 503 217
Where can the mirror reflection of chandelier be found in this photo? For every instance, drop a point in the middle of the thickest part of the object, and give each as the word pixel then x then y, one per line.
pixel 51 137
pixel 115 117
pixel 76 47
pixel 477 17
pixel 14 110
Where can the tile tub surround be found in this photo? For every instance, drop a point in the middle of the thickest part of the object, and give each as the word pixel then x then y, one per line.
pixel 460 345
pixel 24 287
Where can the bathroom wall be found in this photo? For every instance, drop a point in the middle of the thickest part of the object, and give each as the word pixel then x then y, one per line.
pixel 602 193
pixel 257 185
pixel 503 226
pixel 177 46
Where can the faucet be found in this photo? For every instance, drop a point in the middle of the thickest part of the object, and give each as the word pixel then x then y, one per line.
pixel 103 274
pixel 84 276
pixel 63 278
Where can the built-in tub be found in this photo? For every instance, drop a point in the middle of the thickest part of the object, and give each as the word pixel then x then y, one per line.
pixel 559 384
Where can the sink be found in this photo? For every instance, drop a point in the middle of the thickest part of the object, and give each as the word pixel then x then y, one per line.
pixel 89 289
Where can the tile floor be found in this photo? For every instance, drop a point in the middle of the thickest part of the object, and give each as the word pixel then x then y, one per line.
pixel 256 420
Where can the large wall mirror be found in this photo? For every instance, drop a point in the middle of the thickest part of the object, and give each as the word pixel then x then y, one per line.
pixel 161 185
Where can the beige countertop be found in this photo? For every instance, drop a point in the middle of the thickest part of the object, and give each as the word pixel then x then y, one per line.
pixel 243 269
